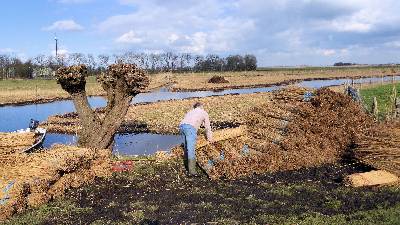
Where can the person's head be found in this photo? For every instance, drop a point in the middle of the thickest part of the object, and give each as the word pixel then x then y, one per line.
pixel 197 105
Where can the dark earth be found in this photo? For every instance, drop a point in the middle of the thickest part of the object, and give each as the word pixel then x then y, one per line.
pixel 161 193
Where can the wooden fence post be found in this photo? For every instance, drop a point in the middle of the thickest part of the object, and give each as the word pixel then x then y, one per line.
pixel 375 108
pixel 393 98
pixel 346 87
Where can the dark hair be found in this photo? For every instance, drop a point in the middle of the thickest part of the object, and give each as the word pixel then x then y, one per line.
pixel 197 104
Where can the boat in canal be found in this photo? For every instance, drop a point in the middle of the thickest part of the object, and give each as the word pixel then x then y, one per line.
pixel 40 135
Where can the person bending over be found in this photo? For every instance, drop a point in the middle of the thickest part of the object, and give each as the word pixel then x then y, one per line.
pixel 188 128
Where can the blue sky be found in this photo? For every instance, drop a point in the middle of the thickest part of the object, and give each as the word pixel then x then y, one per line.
pixel 278 32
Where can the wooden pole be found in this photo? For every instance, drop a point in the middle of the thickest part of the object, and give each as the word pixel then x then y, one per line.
pixel 375 108
pixel 393 99
pixel 346 86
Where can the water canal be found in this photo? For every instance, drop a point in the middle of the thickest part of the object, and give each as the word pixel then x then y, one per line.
pixel 17 117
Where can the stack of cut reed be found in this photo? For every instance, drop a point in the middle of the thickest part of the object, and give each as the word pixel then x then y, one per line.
pixel 36 178
pixel 380 148
pixel 15 142
pixel 290 94
pixel 288 135
pixel 202 143
pixel 66 124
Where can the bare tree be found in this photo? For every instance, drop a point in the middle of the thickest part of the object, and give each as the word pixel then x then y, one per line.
pixel 103 61
pixel 91 63
pixel 121 82
pixel 77 59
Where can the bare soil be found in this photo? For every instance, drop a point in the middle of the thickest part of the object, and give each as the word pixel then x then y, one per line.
pixel 157 193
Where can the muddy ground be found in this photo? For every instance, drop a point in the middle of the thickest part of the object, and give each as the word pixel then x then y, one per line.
pixel 160 193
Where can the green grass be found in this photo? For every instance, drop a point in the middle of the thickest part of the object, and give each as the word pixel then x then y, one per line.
pixel 387 216
pixel 15 91
pixel 29 84
pixel 63 208
pixel 377 216
pixel 382 94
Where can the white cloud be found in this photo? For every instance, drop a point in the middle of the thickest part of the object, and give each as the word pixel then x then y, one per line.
pixel 197 43
pixel 182 26
pixel 293 30
pixel 64 25
pixel 173 38
pixel 326 52
pixel 351 26
pixel 129 38
pixel 393 44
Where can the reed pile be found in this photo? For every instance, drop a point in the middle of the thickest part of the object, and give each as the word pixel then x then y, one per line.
pixel 30 180
pixel 288 133
pixel 371 178
pixel 218 80
pixel 380 147
pixel 16 142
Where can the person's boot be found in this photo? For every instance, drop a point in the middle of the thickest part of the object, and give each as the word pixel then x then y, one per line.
pixel 192 167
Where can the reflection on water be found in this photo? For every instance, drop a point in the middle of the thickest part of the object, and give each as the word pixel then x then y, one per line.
pixel 328 83
pixel 17 117
pixel 125 144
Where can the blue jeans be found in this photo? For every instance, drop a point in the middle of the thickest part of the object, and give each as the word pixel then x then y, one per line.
pixel 189 134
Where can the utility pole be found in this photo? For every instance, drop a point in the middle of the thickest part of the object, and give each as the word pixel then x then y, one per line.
pixel 55 38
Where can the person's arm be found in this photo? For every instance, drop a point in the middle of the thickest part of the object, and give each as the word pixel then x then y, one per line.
pixel 208 127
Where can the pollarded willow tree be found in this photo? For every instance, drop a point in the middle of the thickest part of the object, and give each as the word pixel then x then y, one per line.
pixel 121 82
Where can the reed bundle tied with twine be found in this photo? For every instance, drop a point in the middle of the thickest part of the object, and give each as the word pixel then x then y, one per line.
pixel 287 133
pixel 29 180
pixel 380 147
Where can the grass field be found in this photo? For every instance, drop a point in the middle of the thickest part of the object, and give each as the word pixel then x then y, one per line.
pixel 382 93
pixel 159 193
pixel 38 90
pixel 199 81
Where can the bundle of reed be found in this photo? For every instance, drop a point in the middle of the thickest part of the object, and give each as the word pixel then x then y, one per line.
pixel 290 94
pixel 15 142
pixel 218 80
pixel 288 135
pixel 380 148
pixel 218 136
pixel 371 178
pixel 67 123
pixel 34 179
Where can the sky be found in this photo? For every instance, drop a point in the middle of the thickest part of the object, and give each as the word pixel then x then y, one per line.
pixel 278 32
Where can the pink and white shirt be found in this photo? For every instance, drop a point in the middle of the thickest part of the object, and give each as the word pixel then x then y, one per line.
pixel 197 117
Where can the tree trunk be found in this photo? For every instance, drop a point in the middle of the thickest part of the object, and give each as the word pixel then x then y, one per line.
pixel 89 120
pixel 121 82
pixel 99 133
pixel 103 138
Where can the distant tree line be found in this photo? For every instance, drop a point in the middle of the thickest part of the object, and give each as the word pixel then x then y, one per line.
pixel 344 64
pixel 44 65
